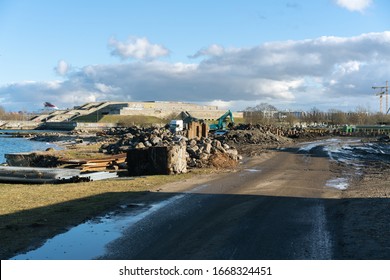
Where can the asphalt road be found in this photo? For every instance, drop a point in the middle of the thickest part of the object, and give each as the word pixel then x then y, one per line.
pixel 274 209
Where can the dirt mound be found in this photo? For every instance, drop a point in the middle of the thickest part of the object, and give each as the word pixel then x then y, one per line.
pixel 255 137
pixel 222 161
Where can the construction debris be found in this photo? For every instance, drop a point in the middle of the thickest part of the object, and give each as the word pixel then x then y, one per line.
pixel 113 162
pixel 198 149
pixel 97 176
pixel 154 150
pixel 39 175
pixel 33 159
pixel 42 159
pixel 157 160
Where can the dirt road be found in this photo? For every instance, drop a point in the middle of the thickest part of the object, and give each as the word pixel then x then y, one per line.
pixel 274 207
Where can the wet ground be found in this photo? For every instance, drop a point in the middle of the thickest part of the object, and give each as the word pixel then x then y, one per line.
pixel 289 206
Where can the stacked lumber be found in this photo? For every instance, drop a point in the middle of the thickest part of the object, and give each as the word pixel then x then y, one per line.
pixel 111 163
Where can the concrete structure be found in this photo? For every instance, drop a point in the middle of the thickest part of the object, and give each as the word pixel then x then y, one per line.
pixel 165 109
pixel 157 160
pixel 197 130
pixel 160 109
pixel 76 126
pixel 97 109
pixel 19 124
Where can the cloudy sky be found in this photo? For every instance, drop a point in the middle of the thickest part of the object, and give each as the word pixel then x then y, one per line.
pixel 293 54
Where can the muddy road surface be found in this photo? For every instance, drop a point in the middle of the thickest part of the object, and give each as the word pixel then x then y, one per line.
pixel 275 207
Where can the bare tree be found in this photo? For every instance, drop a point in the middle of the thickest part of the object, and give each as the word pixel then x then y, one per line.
pixel 337 117
pixel 2 113
pixel 254 117
pixel 291 119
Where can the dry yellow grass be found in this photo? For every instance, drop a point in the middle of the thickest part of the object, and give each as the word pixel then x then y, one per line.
pixel 30 214
pixel 19 197
pixel 80 151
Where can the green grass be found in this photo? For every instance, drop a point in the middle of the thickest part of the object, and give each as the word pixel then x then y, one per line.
pixel 88 118
pixel 122 120
pixel 132 120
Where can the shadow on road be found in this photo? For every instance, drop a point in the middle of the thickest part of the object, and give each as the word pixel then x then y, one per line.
pixel 217 226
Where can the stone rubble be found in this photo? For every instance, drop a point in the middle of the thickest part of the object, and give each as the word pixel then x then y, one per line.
pixel 200 152
pixel 218 151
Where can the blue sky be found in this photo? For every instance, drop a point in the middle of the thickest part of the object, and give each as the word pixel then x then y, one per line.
pixel 292 54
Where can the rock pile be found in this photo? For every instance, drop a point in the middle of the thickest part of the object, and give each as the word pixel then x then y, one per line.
pixel 200 152
pixel 265 136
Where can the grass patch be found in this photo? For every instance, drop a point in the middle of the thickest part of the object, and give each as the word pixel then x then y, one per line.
pixel 123 120
pixel 239 120
pixel 80 152
pixel 30 214
pixel 20 197
pixel 132 120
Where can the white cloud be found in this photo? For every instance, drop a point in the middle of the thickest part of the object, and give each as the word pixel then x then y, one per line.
pixel 221 104
pixel 62 68
pixel 273 88
pixel 105 88
pixel 139 48
pixel 354 5
pixel 213 50
pixel 347 67
pixel 303 74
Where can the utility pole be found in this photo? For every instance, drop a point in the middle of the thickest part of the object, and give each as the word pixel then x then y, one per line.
pixel 383 90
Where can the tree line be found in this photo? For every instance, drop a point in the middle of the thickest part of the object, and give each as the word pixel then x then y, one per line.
pixel 12 116
pixel 316 117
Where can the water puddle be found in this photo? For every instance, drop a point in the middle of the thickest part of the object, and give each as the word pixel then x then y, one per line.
pixel 248 170
pixel 308 146
pixel 338 183
pixel 252 170
pixel 88 240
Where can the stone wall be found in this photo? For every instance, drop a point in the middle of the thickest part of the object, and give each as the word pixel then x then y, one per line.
pixel 197 130
pixel 19 125
pixel 77 125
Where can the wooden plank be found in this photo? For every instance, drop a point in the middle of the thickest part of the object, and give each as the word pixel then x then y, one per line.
pixel 117 158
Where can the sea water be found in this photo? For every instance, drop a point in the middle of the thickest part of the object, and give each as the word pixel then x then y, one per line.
pixel 9 144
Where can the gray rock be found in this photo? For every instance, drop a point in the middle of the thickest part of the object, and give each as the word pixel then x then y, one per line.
pixel 192 143
pixel 207 148
pixel 140 145
pixel 148 144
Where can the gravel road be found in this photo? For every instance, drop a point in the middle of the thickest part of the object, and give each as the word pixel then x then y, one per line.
pixel 274 207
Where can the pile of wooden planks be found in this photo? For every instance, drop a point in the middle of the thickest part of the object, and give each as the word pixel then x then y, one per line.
pixel 107 163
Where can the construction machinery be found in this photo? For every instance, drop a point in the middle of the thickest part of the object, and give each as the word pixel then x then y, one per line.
pixel 222 122
pixel 176 126
pixel 182 123
pixel 384 90
pixel 189 126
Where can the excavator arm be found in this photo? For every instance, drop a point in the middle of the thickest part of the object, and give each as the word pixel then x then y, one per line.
pixel 222 121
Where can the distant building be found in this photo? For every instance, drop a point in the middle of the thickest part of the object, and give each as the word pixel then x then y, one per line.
pixel 160 109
